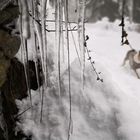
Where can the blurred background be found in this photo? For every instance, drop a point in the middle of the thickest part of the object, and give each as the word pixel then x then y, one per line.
pixel 97 9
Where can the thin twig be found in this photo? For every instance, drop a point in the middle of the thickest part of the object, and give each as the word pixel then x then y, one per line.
pixel 18 115
pixel 92 62
pixel 38 22
pixel 49 20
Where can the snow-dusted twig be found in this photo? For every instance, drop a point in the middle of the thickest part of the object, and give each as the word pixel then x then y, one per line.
pixel 38 22
pixel 91 61
pixel 53 21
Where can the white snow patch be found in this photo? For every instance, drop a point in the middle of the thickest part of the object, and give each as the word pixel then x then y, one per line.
pixel 108 110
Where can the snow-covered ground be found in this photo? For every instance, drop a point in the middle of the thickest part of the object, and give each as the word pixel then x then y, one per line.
pixel 109 53
pixel 108 110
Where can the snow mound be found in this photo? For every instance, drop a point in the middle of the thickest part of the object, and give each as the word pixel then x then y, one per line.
pixel 95 115
pixel 105 111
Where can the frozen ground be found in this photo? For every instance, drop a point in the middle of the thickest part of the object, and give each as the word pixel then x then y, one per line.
pixel 108 110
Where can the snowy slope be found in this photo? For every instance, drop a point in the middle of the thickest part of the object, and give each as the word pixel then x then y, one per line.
pixel 108 110
pixel 109 52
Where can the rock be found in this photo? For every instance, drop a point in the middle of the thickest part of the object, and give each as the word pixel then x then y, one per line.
pixel 9 14
pixel 15 84
pixel 4 3
pixel 16 80
pixel 4 65
pixel 9 44
pixel 33 75
pixel 15 87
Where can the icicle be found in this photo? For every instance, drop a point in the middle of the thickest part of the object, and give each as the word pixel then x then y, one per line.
pixel 44 49
pixel 25 18
pixel 35 45
pixel 39 35
pixel 43 23
pixel 24 48
pixel 58 40
pixel 40 31
pixel 81 37
pixel 63 48
pixel 59 45
pixel 62 33
pixel 36 65
pixel 26 62
pixel 20 29
pixel 69 72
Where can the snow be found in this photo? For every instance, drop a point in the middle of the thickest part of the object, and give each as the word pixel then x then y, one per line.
pixel 107 50
pixel 108 110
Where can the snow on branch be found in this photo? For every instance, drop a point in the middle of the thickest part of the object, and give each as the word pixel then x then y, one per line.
pixel 91 61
